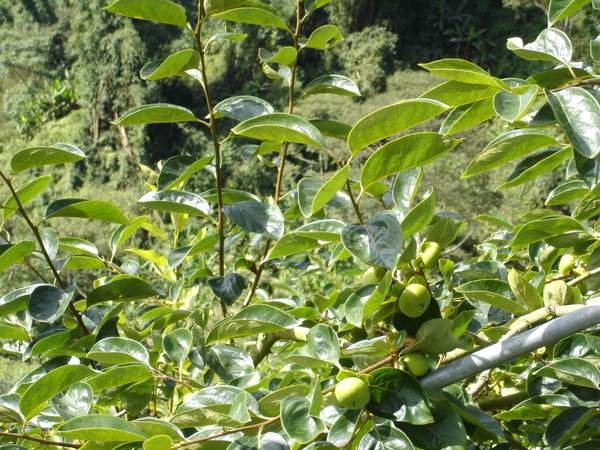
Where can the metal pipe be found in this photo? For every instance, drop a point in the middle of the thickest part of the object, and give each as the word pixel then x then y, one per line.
pixel 512 348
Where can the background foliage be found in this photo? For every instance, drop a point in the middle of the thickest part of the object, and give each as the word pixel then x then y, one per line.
pixel 244 203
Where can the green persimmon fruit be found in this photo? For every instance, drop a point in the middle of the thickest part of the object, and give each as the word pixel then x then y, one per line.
pixel 430 254
pixel 373 275
pixel 414 300
pixel 416 364
pixel 352 393
pixel 566 264
pixel 547 257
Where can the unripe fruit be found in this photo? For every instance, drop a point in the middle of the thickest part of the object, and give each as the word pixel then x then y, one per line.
pixel 430 254
pixel 414 300
pixel 416 363
pixel 352 393
pixel 566 264
pixel 373 275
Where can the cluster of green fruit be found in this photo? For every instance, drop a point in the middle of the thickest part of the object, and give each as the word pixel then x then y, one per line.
pixel 416 313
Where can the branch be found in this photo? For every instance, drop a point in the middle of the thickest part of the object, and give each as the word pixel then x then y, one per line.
pixel 40 440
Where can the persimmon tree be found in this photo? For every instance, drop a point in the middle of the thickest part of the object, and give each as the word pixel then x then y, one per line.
pixel 235 329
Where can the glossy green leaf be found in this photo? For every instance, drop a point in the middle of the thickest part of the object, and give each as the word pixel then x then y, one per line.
pixel 311 5
pixel 156 113
pixel 77 401
pixel 595 49
pixel 25 193
pixel 121 288
pixel 455 93
pixel 86 209
pixel 77 245
pixel 297 421
pixel 50 340
pixel 558 77
pixel 532 166
pixel 162 11
pixel 173 65
pixel 177 256
pixel 405 187
pixel 481 270
pixel 29 158
pixel 83 262
pixel 385 437
pixel 229 287
pixel 539 407
pixel 463 72
pixel 493 292
pixel 365 301
pixel 280 127
pixel 100 427
pixel 404 153
pixel 124 232
pixel 256 14
pixel 214 6
pixel 331 128
pixel 292 244
pixel 551 45
pixel 228 36
pixel 311 201
pixel 331 84
pixel 252 320
pixel 445 432
pixel 568 424
pixel 179 202
pixel 578 114
pixel 467 116
pixel 229 196
pixel 327 230
pixel 396 395
pixel 589 205
pixel 508 147
pixel 48 303
pixel 525 291
pixel 243 107
pixel 178 169
pixel 12 254
pixel 120 375
pixel 323 38
pixel 284 55
pixel 559 9
pixel 16 300
pixel 566 192
pixel 256 217
pixel 512 106
pixel 227 361
pixel 323 342
pixel 13 332
pixel 390 120
pixel 117 350
pixel 420 215
pixel 153 427
pixel 177 346
pixel 576 371
pixel 379 242
pixel 342 430
pixel 539 230
pixel 50 384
